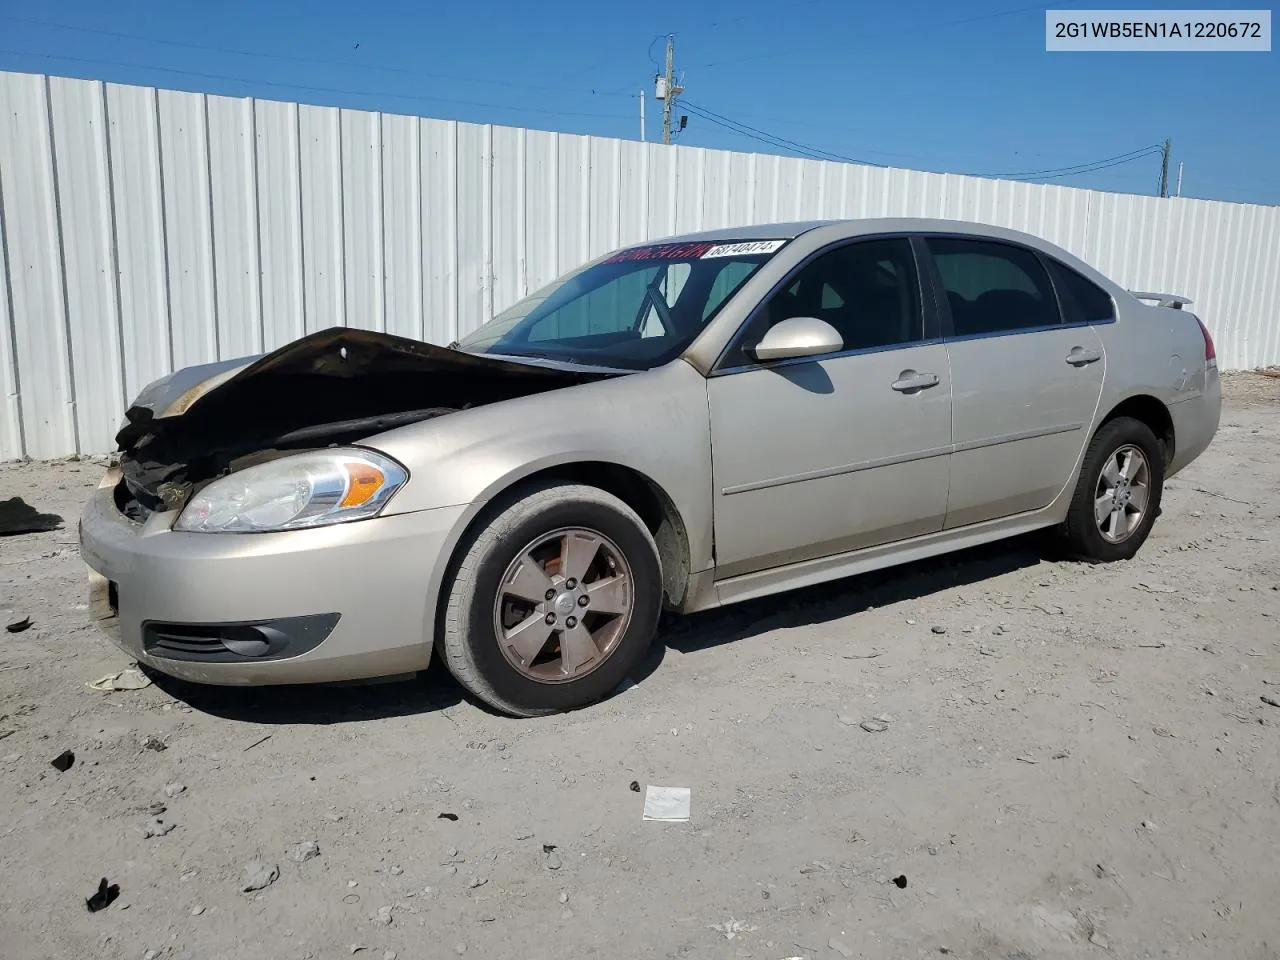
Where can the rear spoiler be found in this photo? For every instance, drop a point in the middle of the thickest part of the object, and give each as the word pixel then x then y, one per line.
pixel 1163 299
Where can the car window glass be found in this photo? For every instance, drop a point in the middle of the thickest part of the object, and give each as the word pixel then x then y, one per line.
pixel 1083 301
pixel 993 287
pixel 633 309
pixel 613 307
pixel 727 281
pixel 868 291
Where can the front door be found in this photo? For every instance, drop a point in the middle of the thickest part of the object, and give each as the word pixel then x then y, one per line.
pixel 1026 383
pixel 819 456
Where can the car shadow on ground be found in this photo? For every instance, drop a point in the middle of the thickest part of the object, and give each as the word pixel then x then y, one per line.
pixel 320 704
pixel 826 602
pixel 435 690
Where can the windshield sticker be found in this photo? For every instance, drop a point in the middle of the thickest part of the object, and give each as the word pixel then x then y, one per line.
pixel 662 251
pixel 743 249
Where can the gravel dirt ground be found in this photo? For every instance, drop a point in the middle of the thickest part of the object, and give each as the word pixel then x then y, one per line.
pixel 1075 761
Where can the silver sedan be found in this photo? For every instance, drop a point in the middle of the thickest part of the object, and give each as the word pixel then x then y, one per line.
pixel 686 423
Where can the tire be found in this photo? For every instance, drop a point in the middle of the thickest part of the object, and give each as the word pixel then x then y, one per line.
pixel 527 531
pixel 1085 534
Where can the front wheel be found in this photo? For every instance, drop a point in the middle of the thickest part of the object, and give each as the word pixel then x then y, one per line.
pixel 1118 494
pixel 554 602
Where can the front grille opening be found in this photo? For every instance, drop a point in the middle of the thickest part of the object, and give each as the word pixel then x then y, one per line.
pixel 129 503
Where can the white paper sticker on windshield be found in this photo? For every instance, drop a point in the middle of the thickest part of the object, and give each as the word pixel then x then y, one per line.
pixel 743 248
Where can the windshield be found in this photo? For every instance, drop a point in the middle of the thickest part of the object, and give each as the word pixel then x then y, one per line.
pixel 636 309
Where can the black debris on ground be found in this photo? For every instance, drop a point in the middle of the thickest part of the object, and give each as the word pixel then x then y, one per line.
pixel 106 895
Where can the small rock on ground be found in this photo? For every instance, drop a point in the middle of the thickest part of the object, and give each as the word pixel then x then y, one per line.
pixel 307 850
pixel 259 875
pixel 155 828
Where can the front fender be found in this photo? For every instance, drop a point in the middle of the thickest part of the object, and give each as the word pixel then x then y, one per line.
pixel 654 423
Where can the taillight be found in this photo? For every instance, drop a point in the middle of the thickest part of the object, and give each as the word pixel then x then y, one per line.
pixel 1210 354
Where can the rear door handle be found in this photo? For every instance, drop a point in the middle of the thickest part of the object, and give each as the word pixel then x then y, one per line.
pixel 1079 356
pixel 910 382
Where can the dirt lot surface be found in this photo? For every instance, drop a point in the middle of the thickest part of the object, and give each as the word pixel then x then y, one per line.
pixel 1077 762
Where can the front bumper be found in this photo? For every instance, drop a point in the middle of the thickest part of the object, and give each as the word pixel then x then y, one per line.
pixel 147 580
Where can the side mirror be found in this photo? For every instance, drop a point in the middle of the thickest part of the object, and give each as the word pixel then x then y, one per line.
pixel 798 337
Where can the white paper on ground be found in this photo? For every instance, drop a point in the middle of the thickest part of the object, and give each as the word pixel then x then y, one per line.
pixel 669 804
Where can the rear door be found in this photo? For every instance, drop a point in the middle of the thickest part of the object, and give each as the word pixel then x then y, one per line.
pixel 1026 383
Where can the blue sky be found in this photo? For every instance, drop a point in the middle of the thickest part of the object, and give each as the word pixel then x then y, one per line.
pixel 927 84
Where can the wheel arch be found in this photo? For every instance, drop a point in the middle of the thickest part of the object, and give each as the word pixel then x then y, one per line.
pixel 1147 409
pixel 641 493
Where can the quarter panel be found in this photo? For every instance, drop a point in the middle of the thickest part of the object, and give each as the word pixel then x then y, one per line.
pixel 1152 351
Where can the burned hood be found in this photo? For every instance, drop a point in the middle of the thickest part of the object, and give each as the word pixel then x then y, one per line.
pixel 334 386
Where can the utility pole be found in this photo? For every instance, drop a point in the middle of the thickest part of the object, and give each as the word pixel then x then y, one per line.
pixel 667 89
pixel 1177 191
pixel 1164 169
pixel 643 138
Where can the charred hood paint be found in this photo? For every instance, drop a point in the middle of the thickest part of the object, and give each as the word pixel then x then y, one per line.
pixel 334 386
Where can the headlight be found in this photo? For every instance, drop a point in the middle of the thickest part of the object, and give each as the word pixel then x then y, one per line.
pixel 303 490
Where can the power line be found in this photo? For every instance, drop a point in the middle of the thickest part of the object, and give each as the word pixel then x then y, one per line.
pixel 755 133
pixel 316 89
pixel 1067 171
pixel 831 129
pixel 748 132
pixel 1044 173
pixel 815 153
pixel 1101 166
pixel 315 61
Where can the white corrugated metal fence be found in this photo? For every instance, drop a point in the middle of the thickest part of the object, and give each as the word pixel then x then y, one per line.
pixel 145 230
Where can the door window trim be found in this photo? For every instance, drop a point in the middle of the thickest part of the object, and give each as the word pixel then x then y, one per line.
pixel 931 321
pixel 943 306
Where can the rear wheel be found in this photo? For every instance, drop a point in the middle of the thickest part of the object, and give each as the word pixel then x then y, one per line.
pixel 554 601
pixel 1117 497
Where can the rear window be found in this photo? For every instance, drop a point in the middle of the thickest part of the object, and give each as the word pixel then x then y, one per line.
pixel 993 287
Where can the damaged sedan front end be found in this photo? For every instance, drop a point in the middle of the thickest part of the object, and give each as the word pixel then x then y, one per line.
pixel 275 446
pixel 334 387
pixel 521 503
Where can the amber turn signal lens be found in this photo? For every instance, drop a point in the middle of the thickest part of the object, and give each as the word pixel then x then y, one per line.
pixel 363 482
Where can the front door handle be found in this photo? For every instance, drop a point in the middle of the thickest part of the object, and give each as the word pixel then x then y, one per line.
pixel 1079 356
pixel 911 382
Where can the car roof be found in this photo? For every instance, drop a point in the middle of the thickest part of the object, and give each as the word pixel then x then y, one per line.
pixel 855 227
